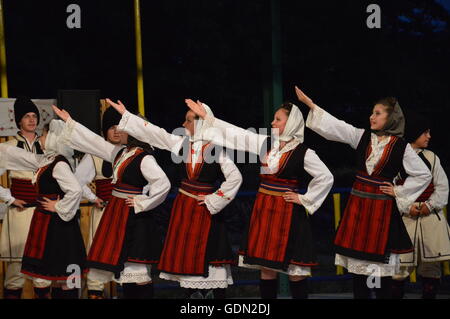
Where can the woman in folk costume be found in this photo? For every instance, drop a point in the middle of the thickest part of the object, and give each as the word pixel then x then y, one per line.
pixel 279 237
pixel 21 199
pixel 426 223
pixel 54 239
pixel 127 241
pixel 371 235
pixel 93 168
pixel 197 252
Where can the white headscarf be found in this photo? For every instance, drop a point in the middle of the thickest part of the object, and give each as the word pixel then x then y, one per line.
pixel 53 143
pixel 295 126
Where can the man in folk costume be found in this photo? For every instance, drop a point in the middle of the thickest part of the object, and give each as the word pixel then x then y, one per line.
pixel 426 223
pixel 127 241
pixel 197 252
pixel 371 236
pixel 279 237
pixel 93 168
pixel 21 198
pixel 54 239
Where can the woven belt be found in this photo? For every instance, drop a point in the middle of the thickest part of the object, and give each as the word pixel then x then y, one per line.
pixel 182 191
pixel 269 192
pixel 370 195
pixel 122 195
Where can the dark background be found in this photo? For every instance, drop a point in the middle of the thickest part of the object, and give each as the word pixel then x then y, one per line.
pixel 217 51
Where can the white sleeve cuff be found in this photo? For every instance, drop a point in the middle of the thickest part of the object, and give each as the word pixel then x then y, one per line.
pixel 309 206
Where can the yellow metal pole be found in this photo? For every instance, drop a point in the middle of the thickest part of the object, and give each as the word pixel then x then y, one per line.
pixel 446 263
pixel 139 64
pixel 3 74
pixel 337 219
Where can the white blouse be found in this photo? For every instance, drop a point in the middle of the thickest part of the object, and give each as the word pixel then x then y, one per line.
pixel 333 129
pixel 160 138
pixel 14 158
pixel 234 137
pixel 81 138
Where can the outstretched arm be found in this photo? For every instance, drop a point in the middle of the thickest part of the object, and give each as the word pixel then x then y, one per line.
pixel 81 138
pixel 147 132
pixel 327 125
pixel 228 135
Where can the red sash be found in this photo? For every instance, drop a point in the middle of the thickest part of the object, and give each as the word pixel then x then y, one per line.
pixel 24 190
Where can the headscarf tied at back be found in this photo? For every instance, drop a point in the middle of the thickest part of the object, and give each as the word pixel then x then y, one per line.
pixel 395 124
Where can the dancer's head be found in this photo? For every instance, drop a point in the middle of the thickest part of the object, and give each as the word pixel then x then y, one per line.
pixel 26 114
pixel 387 117
pixel 418 130
pixel 288 123
pixel 281 117
pixel 189 122
pixel 110 120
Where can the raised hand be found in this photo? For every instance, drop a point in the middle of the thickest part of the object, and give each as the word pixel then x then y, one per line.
pixel 118 106
pixel 62 114
pixel 197 108
pixel 302 97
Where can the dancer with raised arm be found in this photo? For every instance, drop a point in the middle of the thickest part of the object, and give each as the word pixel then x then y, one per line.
pixel 279 237
pixel 197 252
pixel 54 242
pixel 127 241
pixel 371 235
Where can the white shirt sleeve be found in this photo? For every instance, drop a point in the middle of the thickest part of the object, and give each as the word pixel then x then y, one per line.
pixel 217 201
pixel 79 137
pixel 230 136
pixel 5 193
pixel 88 194
pixel 159 185
pixel 85 174
pixel 439 198
pixel 419 177
pixel 85 171
pixel 329 127
pixel 150 133
pixel 14 158
pixel 319 186
pixel 67 206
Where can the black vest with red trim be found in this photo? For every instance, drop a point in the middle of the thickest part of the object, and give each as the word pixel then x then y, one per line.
pixel 132 174
pixel 46 183
pixel 209 173
pixel 394 163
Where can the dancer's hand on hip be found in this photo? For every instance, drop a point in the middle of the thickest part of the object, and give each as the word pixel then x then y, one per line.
pixel 292 197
